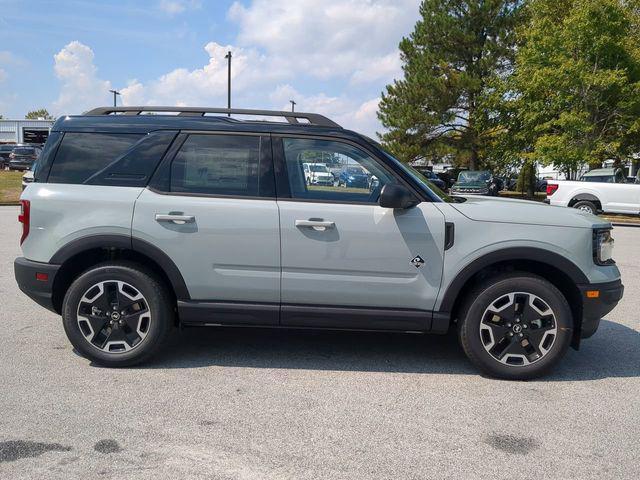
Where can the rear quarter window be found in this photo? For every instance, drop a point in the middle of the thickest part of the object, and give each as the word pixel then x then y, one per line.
pixel 81 155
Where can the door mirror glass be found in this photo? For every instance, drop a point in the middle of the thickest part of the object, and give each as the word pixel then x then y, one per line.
pixel 394 195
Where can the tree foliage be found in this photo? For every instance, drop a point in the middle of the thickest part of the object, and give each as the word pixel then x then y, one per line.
pixel 40 113
pixel 575 92
pixel 444 103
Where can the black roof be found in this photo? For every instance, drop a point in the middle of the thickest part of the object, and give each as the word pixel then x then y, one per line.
pixel 132 120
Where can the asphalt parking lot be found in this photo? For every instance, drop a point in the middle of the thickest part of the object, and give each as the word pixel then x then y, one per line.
pixel 256 404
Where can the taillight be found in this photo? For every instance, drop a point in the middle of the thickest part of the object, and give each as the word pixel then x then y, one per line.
pixel 24 218
pixel 551 188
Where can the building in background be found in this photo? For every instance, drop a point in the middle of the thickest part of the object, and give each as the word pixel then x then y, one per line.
pixel 25 131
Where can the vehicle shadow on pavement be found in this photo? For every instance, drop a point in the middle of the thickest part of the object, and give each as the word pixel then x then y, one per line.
pixel 614 351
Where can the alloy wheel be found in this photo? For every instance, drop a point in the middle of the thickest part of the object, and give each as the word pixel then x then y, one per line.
pixel 518 329
pixel 113 316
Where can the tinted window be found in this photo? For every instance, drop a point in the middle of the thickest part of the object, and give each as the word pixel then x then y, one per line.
pixel 217 165
pixel 355 175
pixel 81 155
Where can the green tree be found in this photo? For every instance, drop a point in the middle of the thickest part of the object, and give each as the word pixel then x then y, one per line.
pixel 575 92
pixel 40 113
pixel 450 61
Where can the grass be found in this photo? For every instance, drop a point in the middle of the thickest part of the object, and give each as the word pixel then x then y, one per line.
pixel 10 186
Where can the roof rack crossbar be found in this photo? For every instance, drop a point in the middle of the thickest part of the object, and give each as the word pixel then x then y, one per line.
pixel 291 117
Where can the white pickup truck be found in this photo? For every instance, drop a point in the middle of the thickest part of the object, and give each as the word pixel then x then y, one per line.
pixel 602 190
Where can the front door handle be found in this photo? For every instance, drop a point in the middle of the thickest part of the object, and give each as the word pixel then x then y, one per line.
pixel 318 225
pixel 174 218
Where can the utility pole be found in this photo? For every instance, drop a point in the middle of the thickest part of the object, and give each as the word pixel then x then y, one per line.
pixel 115 94
pixel 228 57
pixel 293 105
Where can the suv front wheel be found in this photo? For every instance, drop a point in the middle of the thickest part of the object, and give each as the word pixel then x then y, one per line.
pixel 516 326
pixel 117 314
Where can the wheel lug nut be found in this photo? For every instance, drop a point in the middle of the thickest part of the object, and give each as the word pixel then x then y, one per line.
pixel 525 326
pixel 509 325
pixel 510 334
pixel 520 335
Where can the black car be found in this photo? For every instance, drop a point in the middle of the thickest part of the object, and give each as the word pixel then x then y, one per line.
pixel 433 178
pixel 23 157
pixel 5 151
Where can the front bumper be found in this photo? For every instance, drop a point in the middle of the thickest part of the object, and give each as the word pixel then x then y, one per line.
pixel 595 307
pixel 30 276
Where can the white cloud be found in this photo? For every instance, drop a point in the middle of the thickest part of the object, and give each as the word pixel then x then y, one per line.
pixel 345 110
pixel 356 39
pixel 81 88
pixel 280 44
pixel 206 85
pixel 175 7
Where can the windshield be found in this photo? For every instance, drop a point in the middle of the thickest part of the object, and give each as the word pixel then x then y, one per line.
pixel 6 148
pixel 473 177
pixel 354 171
pixel 318 168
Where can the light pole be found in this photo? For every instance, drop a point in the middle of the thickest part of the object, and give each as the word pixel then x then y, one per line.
pixel 293 105
pixel 115 94
pixel 228 57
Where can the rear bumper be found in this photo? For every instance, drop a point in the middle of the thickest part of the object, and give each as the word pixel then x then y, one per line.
pixel 594 308
pixel 40 291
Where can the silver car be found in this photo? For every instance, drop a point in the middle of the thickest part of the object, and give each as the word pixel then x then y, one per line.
pixel 136 224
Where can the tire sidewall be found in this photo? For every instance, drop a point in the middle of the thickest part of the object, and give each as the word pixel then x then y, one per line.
pixel 470 326
pixel 146 285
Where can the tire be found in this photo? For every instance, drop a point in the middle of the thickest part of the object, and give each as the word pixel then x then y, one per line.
pixel 505 344
pixel 131 338
pixel 586 206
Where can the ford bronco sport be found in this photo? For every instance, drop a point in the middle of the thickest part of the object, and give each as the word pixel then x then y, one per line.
pixel 138 223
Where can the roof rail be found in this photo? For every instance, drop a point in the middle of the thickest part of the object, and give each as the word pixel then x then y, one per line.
pixel 291 117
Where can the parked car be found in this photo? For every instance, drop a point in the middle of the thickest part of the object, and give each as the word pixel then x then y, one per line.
pixel 23 157
pixel 471 182
pixel 136 224
pixel 5 151
pixel 433 178
pixel 601 190
pixel 317 174
pixel 28 176
pixel 353 176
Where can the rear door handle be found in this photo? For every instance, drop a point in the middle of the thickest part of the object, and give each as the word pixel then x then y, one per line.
pixel 318 225
pixel 174 218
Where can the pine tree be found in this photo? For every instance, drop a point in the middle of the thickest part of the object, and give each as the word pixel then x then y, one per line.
pixel 444 102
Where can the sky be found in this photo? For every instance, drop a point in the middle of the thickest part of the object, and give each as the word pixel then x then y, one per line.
pixel 330 56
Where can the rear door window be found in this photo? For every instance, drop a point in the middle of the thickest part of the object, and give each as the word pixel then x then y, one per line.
pixel 217 165
pixel 81 155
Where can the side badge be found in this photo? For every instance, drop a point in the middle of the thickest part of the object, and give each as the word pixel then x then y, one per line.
pixel 417 261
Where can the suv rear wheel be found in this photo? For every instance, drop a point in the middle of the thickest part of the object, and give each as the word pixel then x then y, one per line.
pixel 515 326
pixel 117 314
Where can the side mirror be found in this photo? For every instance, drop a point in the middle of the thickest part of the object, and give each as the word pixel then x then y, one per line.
pixel 396 196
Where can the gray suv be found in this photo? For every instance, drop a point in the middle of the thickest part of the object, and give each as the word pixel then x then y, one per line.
pixel 137 223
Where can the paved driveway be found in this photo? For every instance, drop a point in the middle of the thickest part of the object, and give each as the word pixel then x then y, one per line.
pixel 251 404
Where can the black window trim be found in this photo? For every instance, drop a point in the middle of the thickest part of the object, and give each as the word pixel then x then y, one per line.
pixel 164 168
pixel 282 179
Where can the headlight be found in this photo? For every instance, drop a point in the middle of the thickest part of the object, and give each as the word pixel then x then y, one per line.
pixel 603 247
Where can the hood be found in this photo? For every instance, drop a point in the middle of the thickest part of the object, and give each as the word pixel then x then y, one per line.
pixel 504 210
